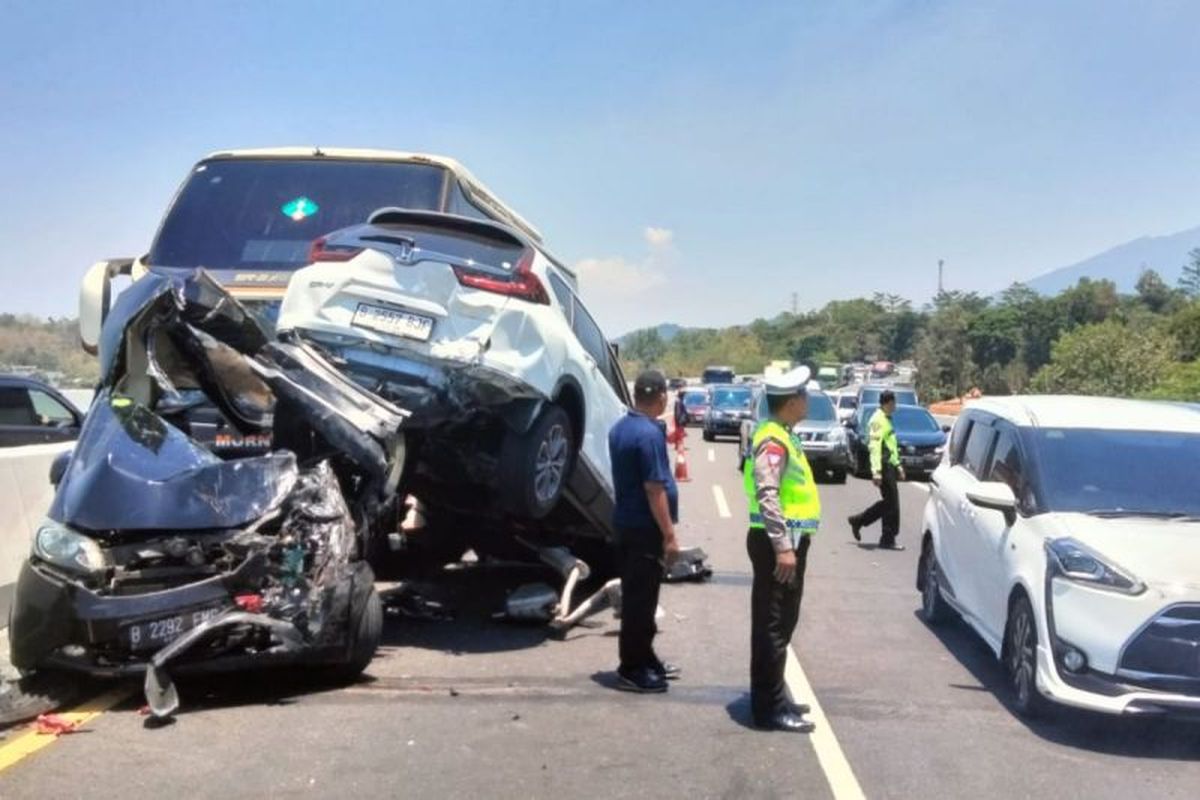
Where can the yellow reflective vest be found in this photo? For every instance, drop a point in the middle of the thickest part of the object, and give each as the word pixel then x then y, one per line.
pixel 882 434
pixel 798 498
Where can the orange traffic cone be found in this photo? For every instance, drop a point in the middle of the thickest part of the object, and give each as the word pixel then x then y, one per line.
pixel 681 470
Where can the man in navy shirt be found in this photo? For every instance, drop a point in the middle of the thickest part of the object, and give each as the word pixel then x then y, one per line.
pixel 647 507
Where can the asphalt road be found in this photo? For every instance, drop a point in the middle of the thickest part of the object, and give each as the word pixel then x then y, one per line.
pixel 475 708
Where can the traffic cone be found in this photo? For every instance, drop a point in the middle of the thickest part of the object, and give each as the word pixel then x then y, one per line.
pixel 681 470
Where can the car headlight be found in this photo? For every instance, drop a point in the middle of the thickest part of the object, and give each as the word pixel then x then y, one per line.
pixel 59 545
pixel 1075 561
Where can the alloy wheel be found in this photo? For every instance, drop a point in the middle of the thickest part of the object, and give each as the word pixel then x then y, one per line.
pixel 551 464
pixel 1022 655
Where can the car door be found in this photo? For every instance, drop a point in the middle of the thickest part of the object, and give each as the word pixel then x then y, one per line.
pixel 992 533
pixel 955 513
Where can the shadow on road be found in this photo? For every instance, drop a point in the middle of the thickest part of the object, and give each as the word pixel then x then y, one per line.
pixel 1071 727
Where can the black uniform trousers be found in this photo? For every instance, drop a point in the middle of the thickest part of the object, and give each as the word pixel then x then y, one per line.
pixel 640 563
pixel 774 612
pixel 887 508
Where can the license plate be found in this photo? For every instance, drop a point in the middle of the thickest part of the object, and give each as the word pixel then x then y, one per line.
pixel 912 461
pixel 156 633
pixel 397 323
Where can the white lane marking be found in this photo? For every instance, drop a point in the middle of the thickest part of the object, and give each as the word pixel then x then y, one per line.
pixel 712 455
pixel 722 505
pixel 833 761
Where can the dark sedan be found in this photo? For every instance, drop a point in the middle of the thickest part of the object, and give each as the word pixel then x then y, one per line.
pixel 729 406
pixel 695 404
pixel 33 413
pixel 918 435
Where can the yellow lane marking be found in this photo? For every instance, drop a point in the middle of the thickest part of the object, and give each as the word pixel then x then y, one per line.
pixel 31 742
pixel 833 761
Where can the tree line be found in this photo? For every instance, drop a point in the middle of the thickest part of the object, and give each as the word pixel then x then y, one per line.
pixel 1088 339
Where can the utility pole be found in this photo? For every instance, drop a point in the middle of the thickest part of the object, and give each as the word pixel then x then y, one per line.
pixel 941 288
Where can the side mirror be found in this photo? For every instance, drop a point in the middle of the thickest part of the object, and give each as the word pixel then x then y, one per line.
pixel 995 496
pixel 945 429
pixel 95 297
pixel 58 467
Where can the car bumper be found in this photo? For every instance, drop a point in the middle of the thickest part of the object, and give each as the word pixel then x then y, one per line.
pixel 1105 627
pixel 730 426
pixel 60 624
pixel 920 463
pixel 827 456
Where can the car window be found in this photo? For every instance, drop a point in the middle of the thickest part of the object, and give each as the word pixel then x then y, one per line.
pixel 461 205
pixel 593 341
pixel 16 407
pixel 270 210
pixel 49 409
pixel 1006 462
pixel 846 401
pixel 562 293
pixel 978 447
pixel 958 438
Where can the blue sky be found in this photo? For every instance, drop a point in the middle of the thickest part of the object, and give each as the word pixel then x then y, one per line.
pixel 698 161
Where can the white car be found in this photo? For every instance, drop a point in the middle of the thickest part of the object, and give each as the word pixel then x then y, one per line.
pixel 1066 532
pixel 846 402
pixel 470 324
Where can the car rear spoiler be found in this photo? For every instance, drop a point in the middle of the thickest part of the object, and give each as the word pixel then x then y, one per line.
pixel 453 222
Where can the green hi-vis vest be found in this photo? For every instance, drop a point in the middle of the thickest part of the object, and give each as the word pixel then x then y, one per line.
pixel 881 438
pixel 797 490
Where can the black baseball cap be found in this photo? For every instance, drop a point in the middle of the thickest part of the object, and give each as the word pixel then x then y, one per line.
pixel 649 383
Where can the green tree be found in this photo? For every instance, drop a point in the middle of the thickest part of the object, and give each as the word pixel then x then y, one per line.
pixel 1181 382
pixel 944 365
pixel 1088 302
pixel 1153 291
pixel 1189 281
pixel 1107 358
pixel 1184 325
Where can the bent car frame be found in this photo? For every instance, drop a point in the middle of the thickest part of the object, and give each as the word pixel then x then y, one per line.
pixel 159 556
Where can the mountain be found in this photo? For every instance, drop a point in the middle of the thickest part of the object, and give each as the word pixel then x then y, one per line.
pixel 667 331
pixel 1123 263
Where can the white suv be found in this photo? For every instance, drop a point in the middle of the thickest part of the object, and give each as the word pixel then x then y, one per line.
pixel 473 327
pixel 1066 532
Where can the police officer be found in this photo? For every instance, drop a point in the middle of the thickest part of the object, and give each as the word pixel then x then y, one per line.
pixel 885 472
pixel 784 513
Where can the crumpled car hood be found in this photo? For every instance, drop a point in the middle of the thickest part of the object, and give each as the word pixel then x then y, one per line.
pixel 132 471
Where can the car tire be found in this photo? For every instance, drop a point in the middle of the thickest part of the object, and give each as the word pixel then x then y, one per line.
pixel 837 475
pixel 534 468
pixel 934 608
pixel 1020 658
pixel 366 630
pixel 709 436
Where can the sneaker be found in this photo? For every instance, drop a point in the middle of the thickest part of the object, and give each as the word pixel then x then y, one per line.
pixel 642 681
pixel 890 546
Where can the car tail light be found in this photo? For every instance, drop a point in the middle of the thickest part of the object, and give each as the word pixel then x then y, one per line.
pixel 521 283
pixel 321 250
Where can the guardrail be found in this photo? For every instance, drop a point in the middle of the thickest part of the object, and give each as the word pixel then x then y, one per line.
pixel 25 495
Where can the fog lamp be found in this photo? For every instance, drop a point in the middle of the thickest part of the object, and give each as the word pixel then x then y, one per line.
pixel 1074 660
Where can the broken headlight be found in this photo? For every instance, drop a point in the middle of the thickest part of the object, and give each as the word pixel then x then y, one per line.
pixel 57 544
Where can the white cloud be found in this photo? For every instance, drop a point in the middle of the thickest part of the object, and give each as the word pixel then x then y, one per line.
pixel 659 237
pixel 616 277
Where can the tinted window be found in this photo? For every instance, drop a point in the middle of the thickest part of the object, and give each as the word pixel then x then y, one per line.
pixel 590 335
pixel 1006 463
pixel 846 401
pixel 49 409
pixel 820 408
pixel 695 398
pixel 917 420
pixel 1084 470
pixel 979 444
pixel 563 295
pixel 958 438
pixel 15 406
pixel 268 211
pixel 732 398
pixel 718 375
pixel 459 204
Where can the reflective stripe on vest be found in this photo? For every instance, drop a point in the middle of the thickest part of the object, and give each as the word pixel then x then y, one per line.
pixel 798 498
